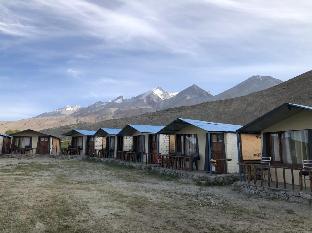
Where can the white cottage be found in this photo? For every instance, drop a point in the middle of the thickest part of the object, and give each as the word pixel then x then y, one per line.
pixel 214 145
pixel 106 142
pixel 34 142
pixel 82 142
pixel 142 140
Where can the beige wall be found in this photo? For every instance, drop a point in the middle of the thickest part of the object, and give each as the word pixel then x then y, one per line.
pixel 299 121
pixel 54 150
pixel 251 146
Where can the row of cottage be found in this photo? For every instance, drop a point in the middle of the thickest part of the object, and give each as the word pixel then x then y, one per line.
pixel 284 135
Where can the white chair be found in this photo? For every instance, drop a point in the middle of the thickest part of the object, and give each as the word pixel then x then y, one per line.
pixel 306 169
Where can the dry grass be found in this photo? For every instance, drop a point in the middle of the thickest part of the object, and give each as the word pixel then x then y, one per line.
pixel 45 195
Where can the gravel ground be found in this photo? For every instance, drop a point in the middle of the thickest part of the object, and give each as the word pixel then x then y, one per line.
pixel 47 195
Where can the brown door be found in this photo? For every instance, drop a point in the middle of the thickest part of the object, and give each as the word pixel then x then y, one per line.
pixel 90 146
pixel 218 153
pixel 43 145
pixel 153 147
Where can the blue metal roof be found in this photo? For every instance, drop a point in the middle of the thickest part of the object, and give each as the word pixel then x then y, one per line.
pixel 153 129
pixel 212 126
pixel 111 131
pixel 5 135
pixel 85 132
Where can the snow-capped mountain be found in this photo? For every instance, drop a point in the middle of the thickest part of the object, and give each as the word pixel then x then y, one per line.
pixel 157 99
pixel 67 110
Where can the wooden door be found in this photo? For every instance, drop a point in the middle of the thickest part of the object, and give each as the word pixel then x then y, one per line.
pixel 43 145
pixel 152 141
pixel 90 145
pixel 218 152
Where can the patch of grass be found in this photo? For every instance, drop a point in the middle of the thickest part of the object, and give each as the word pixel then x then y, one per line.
pixel 26 169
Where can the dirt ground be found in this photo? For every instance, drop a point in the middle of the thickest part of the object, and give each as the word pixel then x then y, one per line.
pixel 48 195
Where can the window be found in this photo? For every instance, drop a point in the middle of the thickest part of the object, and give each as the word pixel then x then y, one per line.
pixel 219 137
pixel 289 147
pixel 187 144
pixel 274 146
pixel 295 146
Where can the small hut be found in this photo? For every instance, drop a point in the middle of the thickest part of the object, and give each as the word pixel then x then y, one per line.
pixel 212 146
pixel 285 140
pixel 106 142
pixel 140 142
pixel 34 142
pixel 82 142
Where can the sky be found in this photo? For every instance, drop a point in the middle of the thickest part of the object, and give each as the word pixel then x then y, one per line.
pixel 55 53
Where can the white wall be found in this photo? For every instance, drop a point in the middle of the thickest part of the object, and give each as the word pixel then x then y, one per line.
pixel 127 143
pixel 231 152
pixel 164 144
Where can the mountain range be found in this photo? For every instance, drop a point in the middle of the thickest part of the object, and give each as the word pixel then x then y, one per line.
pixel 238 110
pixel 151 101
pixel 160 99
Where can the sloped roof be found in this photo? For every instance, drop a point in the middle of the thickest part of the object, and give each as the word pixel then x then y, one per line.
pixel 180 123
pixel 80 132
pixel 107 132
pixel 31 132
pixel 129 130
pixel 280 113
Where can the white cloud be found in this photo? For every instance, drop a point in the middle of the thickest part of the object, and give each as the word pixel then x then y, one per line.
pixel 73 72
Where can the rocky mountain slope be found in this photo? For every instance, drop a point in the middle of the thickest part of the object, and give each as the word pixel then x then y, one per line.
pixel 252 84
pixel 239 110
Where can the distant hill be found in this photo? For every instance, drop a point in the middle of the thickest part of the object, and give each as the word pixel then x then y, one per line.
pixel 253 84
pixel 239 110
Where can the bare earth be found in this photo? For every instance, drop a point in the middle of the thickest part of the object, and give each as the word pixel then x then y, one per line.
pixel 47 195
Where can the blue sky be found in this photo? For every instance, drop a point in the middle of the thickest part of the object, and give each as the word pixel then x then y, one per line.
pixel 56 52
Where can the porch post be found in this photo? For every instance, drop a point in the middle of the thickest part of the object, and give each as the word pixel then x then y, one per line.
pixel 240 154
pixel 208 153
pixel 310 144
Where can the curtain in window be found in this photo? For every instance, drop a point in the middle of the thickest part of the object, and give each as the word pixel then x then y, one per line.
pixel 295 146
pixel 275 147
pixel 190 145
pixel 25 142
